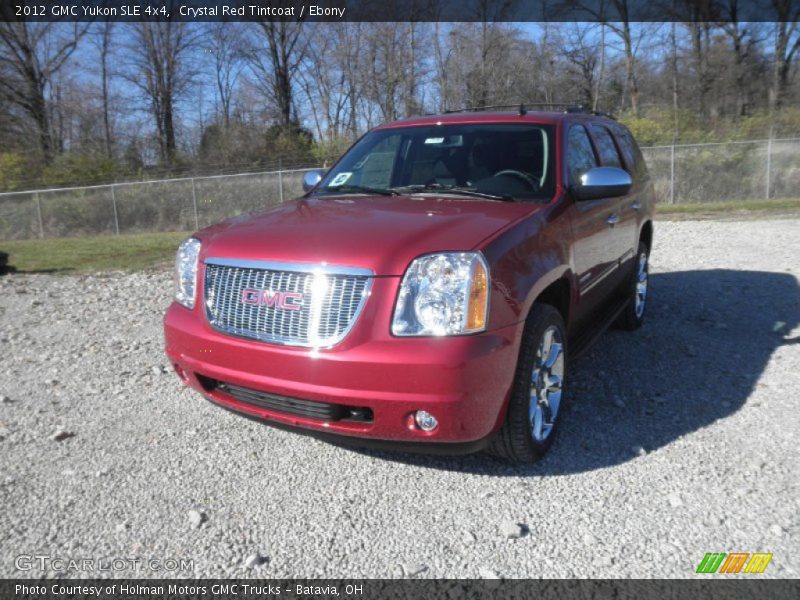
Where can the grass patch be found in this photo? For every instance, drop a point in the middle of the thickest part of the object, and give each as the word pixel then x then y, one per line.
pixel 91 254
pixel 725 207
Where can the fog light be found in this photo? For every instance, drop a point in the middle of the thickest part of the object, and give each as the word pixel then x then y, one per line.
pixel 425 420
pixel 180 372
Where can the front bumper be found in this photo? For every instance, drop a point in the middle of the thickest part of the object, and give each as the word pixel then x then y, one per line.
pixel 463 381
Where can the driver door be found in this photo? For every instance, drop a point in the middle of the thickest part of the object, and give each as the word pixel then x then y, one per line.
pixel 594 249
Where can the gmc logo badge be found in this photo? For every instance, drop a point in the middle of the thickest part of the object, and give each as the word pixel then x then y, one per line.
pixel 281 300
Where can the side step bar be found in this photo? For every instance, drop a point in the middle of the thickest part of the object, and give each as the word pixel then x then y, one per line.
pixel 602 321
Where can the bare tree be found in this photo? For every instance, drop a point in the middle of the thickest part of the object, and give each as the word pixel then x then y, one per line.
pixel 161 68
pixel 482 66
pixel 543 60
pixel 616 15
pixel 275 72
pixel 31 54
pixel 741 38
pixel 601 69
pixel 386 49
pixel 787 43
pixel 411 103
pixel 700 31
pixel 327 80
pixel 226 48
pixel 673 64
pixel 102 40
pixel 582 57
pixel 442 58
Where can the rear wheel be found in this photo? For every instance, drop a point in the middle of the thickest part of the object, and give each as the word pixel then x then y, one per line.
pixel 636 289
pixel 538 390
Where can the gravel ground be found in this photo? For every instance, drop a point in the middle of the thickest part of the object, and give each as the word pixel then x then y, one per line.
pixel 680 439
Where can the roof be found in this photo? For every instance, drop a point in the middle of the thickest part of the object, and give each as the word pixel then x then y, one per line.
pixel 532 116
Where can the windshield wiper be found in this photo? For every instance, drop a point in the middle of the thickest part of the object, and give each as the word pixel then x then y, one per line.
pixel 361 189
pixel 451 189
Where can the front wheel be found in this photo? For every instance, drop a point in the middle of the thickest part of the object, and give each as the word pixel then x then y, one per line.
pixel 538 390
pixel 636 290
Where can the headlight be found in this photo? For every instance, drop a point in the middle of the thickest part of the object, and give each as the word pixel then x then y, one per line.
pixel 443 294
pixel 186 272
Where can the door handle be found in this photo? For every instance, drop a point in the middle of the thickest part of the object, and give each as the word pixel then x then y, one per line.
pixel 636 205
pixel 613 219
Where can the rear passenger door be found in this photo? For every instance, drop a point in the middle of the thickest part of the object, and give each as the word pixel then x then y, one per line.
pixel 641 196
pixel 595 253
pixel 622 222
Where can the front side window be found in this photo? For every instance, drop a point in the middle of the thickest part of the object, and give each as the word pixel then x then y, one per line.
pixel 580 155
pixel 510 161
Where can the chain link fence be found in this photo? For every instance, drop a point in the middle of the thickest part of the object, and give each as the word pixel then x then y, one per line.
pixel 689 173
pixel 723 172
pixel 184 204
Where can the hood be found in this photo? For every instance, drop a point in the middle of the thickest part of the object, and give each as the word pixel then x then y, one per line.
pixel 381 233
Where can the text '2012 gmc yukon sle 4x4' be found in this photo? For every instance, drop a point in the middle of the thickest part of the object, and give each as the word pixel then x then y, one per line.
pixel 427 291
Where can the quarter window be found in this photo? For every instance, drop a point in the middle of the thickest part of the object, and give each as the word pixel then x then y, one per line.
pixel 632 154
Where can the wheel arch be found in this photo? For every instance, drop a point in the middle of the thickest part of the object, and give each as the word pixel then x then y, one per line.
pixel 646 234
pixel 555 288
pixel 558 295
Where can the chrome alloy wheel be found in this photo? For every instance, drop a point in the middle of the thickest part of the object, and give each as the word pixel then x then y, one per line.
pixel 641 285
pixel 546 380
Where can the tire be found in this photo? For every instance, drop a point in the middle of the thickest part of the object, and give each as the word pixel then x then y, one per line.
pixel 637 291
pixel 517 441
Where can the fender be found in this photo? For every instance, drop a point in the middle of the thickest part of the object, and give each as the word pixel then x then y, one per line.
pixel 529 257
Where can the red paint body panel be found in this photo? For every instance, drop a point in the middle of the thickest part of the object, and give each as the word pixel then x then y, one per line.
pixel 465 381
pixel 379 233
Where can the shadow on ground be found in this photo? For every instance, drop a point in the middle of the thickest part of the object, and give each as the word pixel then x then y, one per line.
pixel 4 266
pixel 707 339
pixel 7 269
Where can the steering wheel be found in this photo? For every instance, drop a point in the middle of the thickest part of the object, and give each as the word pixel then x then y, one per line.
pixel 519 175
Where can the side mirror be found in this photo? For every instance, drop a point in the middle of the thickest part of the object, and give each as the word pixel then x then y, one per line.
pixel 311 179
pixel 602 182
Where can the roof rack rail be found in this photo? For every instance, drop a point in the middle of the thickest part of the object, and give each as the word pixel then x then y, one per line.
pixel 566 107
pixel 600 113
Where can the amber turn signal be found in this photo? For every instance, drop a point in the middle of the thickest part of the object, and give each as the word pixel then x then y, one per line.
pixel 478 298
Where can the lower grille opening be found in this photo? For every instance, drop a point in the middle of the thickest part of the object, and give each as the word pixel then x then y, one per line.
pixel 324 411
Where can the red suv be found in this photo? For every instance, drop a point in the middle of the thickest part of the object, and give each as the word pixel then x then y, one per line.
pixel 427 291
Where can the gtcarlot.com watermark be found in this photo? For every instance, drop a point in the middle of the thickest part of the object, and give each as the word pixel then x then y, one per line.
pixel 47 562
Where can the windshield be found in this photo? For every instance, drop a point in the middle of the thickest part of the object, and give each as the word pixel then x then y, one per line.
pixel 502 160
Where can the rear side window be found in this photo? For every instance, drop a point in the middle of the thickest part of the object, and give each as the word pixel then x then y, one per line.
pixel 633 156
pixel 606 147
pixel 580 155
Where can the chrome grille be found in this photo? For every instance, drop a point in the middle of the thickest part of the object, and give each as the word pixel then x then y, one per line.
pixel 322 307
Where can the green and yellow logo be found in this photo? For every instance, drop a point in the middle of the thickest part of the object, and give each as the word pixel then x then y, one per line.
pixel 735 562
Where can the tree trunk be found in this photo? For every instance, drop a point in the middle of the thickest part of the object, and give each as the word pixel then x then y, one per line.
pixel 630 69
pixel 38 110
pixel 169 131
pixel 599 83
pixel 787 14
pixel 700 41
pixel 104 48
pixel 282 39
pixel 675 92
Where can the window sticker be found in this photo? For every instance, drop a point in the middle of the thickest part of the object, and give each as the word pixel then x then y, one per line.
pixel 340 179
pixel 446 141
